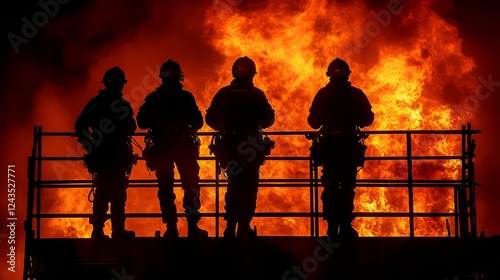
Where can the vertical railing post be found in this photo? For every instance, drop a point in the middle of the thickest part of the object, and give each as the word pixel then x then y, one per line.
pixel 217 184
pixel 316 201
pixel 410 183
pixel 456 196
pixel 471 146
pixel 462 191
pixel 311 195
pixel 313 198
pixel 28 224
pixel 38 180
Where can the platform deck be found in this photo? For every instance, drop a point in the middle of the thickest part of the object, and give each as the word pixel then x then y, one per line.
pixel 267 257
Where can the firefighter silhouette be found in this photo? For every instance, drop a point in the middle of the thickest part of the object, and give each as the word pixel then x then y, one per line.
pixel 339 110
pixel 238 113
pixel 105 127
pixel 172 118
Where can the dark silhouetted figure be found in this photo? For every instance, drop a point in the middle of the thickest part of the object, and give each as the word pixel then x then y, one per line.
pixel 239 112
pixel 339 110
pixel 172 118
pixel 105 128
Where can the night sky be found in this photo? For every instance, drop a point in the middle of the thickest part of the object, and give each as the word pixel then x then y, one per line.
pixel 60 57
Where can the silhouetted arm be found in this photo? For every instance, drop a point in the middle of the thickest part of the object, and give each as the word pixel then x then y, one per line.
pixel 84 121
pixel 213 117
pixel 316 116
pixel 195 117
pixel 128 124
pixel 366 114
pixel 146 114
pixel 267 114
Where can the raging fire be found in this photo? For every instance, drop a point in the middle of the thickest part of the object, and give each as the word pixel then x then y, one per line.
pixel 402 63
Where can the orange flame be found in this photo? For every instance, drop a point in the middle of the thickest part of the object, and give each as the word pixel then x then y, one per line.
pixel 292 45
pixel 405 79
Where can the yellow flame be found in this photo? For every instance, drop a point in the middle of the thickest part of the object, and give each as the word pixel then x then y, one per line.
pixel 404 79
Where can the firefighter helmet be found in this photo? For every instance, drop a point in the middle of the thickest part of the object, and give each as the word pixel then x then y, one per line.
pixel 338 67
pixel 244 67
pixel 171 70
pixel 114 75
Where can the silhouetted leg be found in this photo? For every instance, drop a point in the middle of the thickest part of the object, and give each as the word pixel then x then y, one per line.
pixel 234 198
pixel 189 173
pixel 100 205
pixel 331 197
pixel 250 183
pixel 241 200
pixel 348 185
pixel 231 199
pixel 166 195
pixel 118 200
pixel 249 186
pixel 348 194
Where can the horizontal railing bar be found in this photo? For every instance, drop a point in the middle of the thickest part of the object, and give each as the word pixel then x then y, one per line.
pixel 278 158
pixel 303 185
pixel 262 214
pixel 263 180
pixel 303 132
pixel 132 181
pixel 155 185
pixel 59 158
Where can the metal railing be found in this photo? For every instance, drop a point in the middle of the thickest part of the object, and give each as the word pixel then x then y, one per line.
pixel 464 188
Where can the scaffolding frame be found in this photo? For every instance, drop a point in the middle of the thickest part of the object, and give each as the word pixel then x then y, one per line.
pixel 464 188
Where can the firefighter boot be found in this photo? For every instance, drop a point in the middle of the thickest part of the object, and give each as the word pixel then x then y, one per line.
pixel 230 231
pixel 245 231
pixel 333 231
pixel 171 232
pixel 122 233
pixel 347 232
pixel 195 232
pixel 98 233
